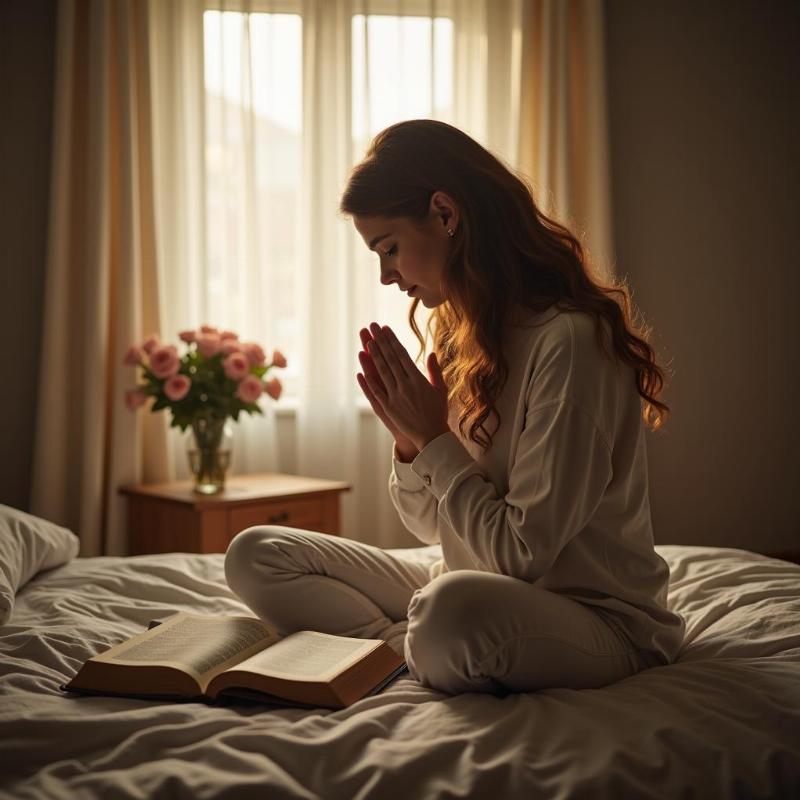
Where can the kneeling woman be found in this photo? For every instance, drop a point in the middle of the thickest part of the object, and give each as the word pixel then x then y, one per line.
pixel 520 459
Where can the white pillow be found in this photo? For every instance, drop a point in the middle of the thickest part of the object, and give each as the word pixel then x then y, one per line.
pixel 28 545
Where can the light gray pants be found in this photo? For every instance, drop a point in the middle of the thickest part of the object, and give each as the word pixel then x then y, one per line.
pixel 463 631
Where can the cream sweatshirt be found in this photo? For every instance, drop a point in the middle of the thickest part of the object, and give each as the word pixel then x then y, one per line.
pixel 561 498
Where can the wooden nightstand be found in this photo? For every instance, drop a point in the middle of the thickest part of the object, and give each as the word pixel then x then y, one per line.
pixel 170 517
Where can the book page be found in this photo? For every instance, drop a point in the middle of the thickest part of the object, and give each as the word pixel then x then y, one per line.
pixel 308 655
pixel 194 643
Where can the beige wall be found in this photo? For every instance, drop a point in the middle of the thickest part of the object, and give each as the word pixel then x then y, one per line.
pixel 703 102
pixel 704 132
pixel 27 48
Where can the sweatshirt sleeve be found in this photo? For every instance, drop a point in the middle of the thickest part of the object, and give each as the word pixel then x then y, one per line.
pixel 414 502
pixel 559 474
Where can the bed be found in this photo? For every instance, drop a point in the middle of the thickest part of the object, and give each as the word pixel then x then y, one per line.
pixel 724 721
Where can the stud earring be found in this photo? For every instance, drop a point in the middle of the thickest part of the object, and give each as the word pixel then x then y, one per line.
pixel 451 233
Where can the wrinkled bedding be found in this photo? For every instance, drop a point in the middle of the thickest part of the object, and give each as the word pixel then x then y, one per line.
pixel 724 721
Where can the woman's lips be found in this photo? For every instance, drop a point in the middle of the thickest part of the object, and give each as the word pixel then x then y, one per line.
pixel 410 292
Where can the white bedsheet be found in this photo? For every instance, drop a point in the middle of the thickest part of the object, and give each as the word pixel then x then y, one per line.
pixel 722 722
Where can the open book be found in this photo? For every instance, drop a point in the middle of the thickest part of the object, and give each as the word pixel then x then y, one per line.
pixel 202 657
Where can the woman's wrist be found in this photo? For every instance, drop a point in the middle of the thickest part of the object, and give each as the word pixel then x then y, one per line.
pixel 406 451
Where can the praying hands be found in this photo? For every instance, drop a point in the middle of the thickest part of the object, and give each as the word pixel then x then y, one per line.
pixel 413 407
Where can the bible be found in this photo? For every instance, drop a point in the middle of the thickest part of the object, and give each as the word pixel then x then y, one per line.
pixel 215 658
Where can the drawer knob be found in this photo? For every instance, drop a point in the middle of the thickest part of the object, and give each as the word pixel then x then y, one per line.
pixel 282 517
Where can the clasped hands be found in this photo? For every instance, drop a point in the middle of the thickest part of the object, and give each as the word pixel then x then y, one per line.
pixel 413 407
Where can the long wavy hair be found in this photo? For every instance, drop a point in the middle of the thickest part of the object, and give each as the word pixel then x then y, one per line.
pixel 505 252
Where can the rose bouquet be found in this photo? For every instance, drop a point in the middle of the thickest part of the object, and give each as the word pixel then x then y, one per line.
pixel 217 377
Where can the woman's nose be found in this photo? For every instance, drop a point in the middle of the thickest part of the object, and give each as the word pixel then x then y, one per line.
pixel 389 277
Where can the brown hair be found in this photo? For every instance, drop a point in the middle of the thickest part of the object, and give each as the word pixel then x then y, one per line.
pixel 505 249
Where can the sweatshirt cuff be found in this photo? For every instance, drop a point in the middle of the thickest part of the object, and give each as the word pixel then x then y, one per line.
pixel 406 478
pixel 439 461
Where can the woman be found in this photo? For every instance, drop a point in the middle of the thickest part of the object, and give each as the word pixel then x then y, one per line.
pixel 520 460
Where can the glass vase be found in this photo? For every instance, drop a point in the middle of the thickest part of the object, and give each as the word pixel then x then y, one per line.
pixel 208 446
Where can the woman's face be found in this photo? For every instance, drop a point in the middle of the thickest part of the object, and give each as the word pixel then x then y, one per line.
pixel 411 254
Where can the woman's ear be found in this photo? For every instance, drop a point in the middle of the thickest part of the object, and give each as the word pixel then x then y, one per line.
pixel 444 209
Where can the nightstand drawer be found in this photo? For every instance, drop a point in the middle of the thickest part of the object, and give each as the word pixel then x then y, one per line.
pixel 306 513
pixel 171 517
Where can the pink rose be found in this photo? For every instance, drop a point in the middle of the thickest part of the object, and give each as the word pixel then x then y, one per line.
pixel 187 336
pixel 231 346
pixel 278 359
pixel 208 329
pixel 228 335
pixel 164 361
pixel 209 344
pixel 150 344
pixel 177 387
pixel 133 357
pixel 255 354
pixel 273 388
pixel 236 365
pixel 249 389
pixel 134 398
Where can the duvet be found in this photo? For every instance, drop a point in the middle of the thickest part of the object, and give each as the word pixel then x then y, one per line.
pixel 724 721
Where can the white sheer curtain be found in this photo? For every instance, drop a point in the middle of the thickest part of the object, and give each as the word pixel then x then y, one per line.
pixel 365 70
pixel 218 190
pixel 293 92
pixel 199 153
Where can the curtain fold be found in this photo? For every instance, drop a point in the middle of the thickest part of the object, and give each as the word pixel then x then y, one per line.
pixel 220 139
pixel 562 133
pixel 99 289
pixel 327 421
pixel 188 187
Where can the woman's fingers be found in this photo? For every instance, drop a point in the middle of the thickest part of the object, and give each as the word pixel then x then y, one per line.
pixel 370 370
pixel 371 376
pixel 375 403
pixel 362 382
pixel 374 379
pixel 403 358
pixel 367 361
pixel 368 365
pixel 395 355
pixel 382 365
pixel 391 358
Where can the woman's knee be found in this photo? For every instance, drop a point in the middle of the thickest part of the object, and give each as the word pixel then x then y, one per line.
pixel 248 551
pixel 441 639
pixel 447 603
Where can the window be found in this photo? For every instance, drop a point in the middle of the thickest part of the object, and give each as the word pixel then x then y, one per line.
pixel 402 68
pixel 408 72
pixel 253 153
